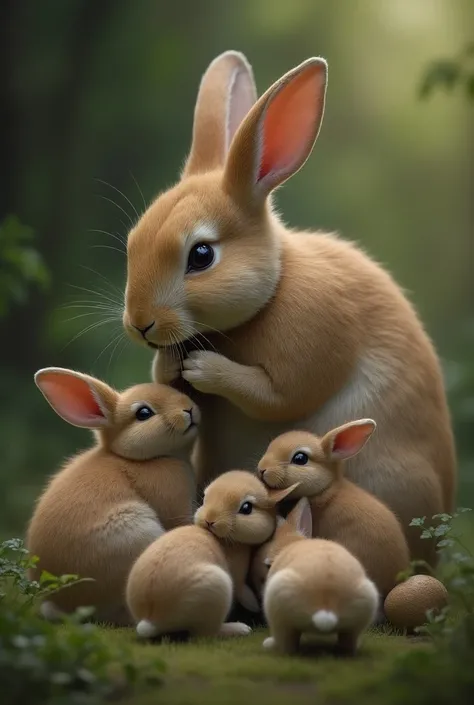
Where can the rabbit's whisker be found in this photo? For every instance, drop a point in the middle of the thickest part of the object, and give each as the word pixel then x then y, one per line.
pixel 121 193
pixel 139 191
pixel 114 287
pixel 108 247
pixel 89 328
pixel 117 205
pixel 113 235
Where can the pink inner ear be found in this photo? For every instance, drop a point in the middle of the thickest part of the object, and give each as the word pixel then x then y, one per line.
pixel 351 439
pixel 305 523
pixel 72 399
pixel 291 123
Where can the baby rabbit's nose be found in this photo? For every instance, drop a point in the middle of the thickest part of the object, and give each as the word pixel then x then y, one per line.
pixel 210 523
pixel 262 472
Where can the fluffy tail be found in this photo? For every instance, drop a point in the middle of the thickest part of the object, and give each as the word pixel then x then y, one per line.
pixel 146 629
pixel 324 621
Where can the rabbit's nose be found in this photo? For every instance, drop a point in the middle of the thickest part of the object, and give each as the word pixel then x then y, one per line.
pixel 210 524
pixel 144 329
pixel 261 472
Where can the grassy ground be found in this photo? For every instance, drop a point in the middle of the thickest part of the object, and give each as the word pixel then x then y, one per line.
pixel 234 671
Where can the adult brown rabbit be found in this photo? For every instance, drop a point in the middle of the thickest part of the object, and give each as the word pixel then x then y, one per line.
pixel 108 503
pixel 302 329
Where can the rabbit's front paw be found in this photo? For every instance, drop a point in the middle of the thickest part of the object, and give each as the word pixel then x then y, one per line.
pixel 206 370
pixel 166 366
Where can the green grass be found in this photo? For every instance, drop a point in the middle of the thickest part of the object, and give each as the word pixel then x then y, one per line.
pixel 236 671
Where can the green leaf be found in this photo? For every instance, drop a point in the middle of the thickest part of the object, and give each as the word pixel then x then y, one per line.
pixel 442 530
pixel 442 517
pixel 445 543
pixel 47 577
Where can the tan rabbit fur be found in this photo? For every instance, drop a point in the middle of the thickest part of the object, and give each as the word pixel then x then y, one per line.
pixel 222 513
pixel 314 585
pixel 187 579
pixel 107 504
pixel 302 330
pixel 341 510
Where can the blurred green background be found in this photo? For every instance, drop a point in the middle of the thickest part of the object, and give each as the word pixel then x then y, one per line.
pixel 97 98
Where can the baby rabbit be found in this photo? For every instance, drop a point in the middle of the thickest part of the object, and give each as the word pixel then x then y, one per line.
pixel 110 502
pixel 302 329
pixel 187 579
pixel 341 510
pixel 314 585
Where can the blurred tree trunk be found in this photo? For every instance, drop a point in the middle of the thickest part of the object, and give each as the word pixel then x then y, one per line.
pixel 8 108
pixel 88 30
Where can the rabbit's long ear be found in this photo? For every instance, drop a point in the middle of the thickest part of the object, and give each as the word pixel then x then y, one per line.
pixel 77 398
pixel 301 519
pixel 278 134
pixel 346 441
pixel 226 94
pixel 277 496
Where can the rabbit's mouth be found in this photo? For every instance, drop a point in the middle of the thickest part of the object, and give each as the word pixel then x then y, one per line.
pixel 191 430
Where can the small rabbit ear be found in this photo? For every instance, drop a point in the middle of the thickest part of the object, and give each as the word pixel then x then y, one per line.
pixel 226 94
pixel 77 398
pixel 279 495
pixel 301 518
pixel 278 135
pixel 346 441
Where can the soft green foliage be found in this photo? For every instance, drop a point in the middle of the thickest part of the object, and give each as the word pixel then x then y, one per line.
pixel 444 674
pixel 449 74
pixel 15 561
pixel 70 662
pixel 21 265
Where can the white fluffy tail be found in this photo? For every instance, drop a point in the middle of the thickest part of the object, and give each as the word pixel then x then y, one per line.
pixel 146 629
pixel 324 620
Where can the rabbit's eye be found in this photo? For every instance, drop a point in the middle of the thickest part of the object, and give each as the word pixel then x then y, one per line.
pixel 200 257
pixel 246 508
pixel 300 458
pixel 143 413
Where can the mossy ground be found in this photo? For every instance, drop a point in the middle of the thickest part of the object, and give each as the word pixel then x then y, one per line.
pixel 236 671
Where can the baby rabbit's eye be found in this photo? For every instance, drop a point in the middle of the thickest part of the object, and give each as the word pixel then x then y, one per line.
pixel 143 413
pixel 246 508
pixel 300 458
pixel 200 257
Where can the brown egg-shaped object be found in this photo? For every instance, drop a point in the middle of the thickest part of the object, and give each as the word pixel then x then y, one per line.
pixel 406 605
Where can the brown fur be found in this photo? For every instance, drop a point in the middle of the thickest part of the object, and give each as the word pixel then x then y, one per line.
pixel 313 580
pixel 183 582
pixel 110 502
pixel 187 579
pixel 341 511
pixel 302 330
pixel 220 514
